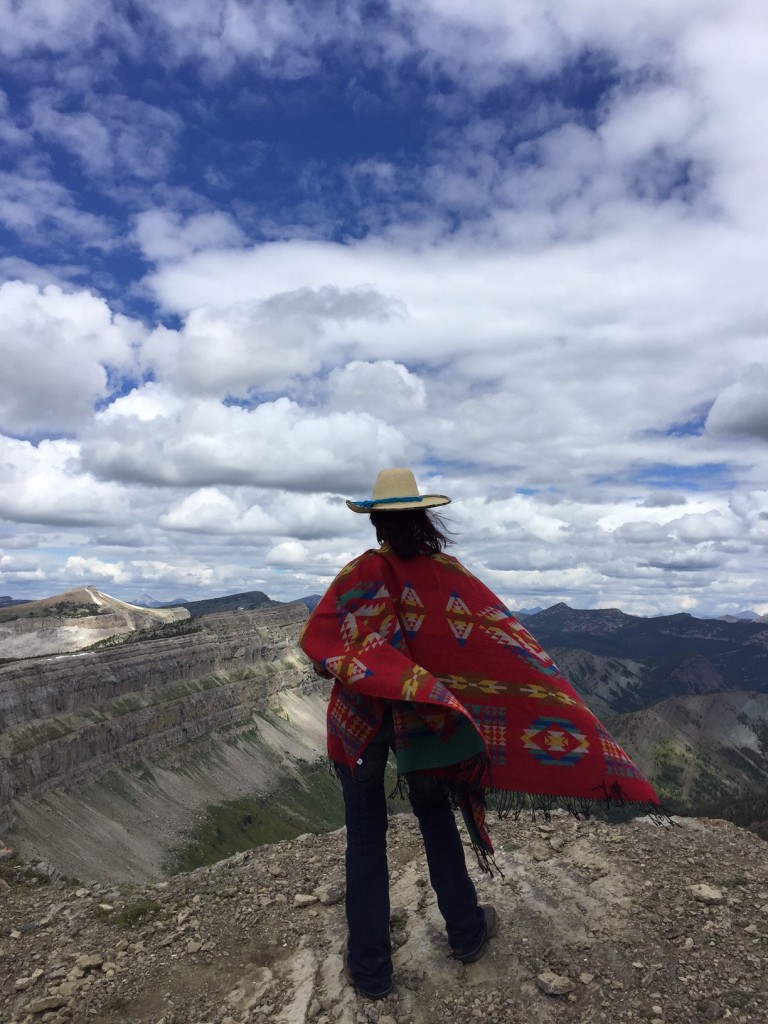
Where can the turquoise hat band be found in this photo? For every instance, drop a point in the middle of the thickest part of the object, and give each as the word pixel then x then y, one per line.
pixel 388 501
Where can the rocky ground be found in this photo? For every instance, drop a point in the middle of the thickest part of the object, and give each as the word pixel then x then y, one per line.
pixel 598 924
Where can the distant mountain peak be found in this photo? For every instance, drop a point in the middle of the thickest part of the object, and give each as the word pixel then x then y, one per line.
pixel 561 616
pixel 249 600
pixel 147 601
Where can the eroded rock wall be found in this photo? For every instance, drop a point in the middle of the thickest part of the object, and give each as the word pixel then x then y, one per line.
pixel 66 720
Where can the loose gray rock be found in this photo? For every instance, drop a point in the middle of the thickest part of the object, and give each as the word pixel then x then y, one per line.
pixel 552 984
pixel 45 1004
pixel 608 915
pixel 704 893
pixel 302 899
pixel 329 895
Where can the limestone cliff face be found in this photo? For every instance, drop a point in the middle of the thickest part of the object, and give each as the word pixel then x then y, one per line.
pixel 66 720
pixel 104 621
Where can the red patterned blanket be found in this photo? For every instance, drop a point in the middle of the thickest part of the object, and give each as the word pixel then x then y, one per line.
pixel 475 698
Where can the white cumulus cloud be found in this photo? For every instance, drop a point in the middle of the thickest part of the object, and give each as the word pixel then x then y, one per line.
pixel 275 444
pixel 57 350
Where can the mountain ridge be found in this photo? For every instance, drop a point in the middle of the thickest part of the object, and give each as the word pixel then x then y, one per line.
pixel 158 692
pixel 94 745
pixel 736 651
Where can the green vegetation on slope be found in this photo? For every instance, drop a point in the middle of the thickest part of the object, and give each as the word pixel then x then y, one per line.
pixel 667 775
pixel 750 811
pixel 308 802
pixel 164 630
pixel 688 778
pixel 61 609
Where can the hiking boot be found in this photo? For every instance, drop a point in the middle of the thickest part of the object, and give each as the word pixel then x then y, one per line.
pixel 491 930
pixel 387 990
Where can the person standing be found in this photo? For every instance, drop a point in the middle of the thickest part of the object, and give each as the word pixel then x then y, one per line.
pixel 428 662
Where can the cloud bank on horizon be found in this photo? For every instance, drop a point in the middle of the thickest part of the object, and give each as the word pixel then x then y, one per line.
pixel 253 253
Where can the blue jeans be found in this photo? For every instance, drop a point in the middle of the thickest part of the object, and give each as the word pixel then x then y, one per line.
pixel 367 900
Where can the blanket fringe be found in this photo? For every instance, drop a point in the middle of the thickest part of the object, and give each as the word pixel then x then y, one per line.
pixel 471 776
pixel 514 803
pixel 486 861
pixel 400 789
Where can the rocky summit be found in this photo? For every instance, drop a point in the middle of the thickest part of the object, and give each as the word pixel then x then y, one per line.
pixel 73 620
pixel 598 923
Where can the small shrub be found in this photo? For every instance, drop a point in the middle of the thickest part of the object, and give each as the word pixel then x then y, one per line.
pixel 736 998
pixel 115 1003
pixel 137 912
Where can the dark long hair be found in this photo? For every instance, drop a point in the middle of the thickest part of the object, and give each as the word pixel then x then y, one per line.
pixel 411 532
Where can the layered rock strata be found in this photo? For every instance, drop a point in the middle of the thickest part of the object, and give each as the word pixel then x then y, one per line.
pixel 66 720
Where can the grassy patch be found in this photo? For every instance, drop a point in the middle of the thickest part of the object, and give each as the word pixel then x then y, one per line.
pixel 732 883
pixel 311 802
pixel 162 631
pixel 15 872
pixel 709 786
pixel 737 998
pixel 36 735
pixel 136 913
pixel 61 609
pixel 667 775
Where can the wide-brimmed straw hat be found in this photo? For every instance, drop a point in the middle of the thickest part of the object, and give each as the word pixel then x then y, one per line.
pixel 395 490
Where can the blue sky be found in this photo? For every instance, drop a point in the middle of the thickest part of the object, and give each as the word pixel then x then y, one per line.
pixel 252 253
